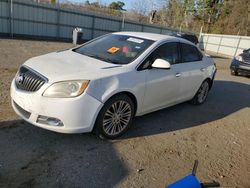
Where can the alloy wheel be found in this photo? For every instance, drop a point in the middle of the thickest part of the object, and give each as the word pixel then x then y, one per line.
pixel 117 118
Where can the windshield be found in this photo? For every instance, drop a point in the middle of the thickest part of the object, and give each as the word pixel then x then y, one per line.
pixel 117 49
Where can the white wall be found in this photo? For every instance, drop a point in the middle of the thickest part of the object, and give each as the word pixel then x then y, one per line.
pixel 229 45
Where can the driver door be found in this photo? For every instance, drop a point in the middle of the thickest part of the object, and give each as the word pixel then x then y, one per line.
pixel 162 85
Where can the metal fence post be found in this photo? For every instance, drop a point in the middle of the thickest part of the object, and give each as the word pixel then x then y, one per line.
pixel 92 27
pixel 142 27
pixel 219 44
pixel 123 21
pixel 121 25
pixel 237 47
pixel 11 17
pixel 58 20
pixel 200 33
pixel 201 43
pixel 206 43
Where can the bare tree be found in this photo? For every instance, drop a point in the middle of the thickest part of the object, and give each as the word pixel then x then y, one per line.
pixel 152 16
pixel 145 10
pixel 140 8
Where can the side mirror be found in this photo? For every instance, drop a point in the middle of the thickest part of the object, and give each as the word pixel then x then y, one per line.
pixel 161 64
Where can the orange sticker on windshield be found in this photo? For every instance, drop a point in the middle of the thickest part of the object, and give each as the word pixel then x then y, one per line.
pixel 113 50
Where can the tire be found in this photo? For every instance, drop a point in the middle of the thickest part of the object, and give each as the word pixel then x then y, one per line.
pixel 115 117
pixel 201 95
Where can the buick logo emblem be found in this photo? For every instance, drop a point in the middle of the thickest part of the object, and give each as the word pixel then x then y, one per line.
pixel 20 79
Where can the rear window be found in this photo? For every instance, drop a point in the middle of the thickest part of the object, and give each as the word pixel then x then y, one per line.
pixel 116 49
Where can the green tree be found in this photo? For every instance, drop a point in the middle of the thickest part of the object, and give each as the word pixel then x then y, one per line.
pixel 209 11
pixel 117 5
pixel 233 18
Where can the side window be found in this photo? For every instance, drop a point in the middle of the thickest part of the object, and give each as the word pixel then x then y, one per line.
pixel 168 51
pixel 190 53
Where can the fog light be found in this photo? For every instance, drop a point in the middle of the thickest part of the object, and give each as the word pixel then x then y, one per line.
pixel 49 121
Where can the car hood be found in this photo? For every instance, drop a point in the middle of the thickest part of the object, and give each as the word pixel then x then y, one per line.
pixel 69 65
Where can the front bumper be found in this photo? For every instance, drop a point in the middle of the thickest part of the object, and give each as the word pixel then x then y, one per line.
pixel 241 67
pixel 77 114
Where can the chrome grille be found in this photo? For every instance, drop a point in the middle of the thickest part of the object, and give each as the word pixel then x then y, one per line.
pixel 29 80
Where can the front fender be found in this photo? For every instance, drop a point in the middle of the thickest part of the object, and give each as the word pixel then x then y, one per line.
pixel 103 89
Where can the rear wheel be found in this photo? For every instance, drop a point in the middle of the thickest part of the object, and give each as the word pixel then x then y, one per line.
pixel 202 93
pixel 115 117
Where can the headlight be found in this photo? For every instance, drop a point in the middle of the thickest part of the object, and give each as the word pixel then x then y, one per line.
pixel 238 58
pixel 66 89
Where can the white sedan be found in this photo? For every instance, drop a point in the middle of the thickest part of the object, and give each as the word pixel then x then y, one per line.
pixel 101 85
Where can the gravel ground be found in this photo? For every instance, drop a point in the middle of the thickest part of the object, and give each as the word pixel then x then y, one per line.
pixel 159 148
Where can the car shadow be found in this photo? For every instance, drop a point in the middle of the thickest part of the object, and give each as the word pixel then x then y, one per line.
pixel 33 157
pixel 225 98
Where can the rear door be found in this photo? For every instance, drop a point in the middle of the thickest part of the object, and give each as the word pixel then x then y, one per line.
pixel 191 69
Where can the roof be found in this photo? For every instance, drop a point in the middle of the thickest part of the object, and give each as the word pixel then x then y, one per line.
pixel 150 36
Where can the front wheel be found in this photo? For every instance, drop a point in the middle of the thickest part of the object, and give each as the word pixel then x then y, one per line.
pixel 115 117
pixel 202 93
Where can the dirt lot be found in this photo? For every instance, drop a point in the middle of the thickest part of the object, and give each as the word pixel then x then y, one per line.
pixel 160 147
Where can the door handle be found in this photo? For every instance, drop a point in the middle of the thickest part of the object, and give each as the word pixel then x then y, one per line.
pixel 178 74
pixel 202 69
